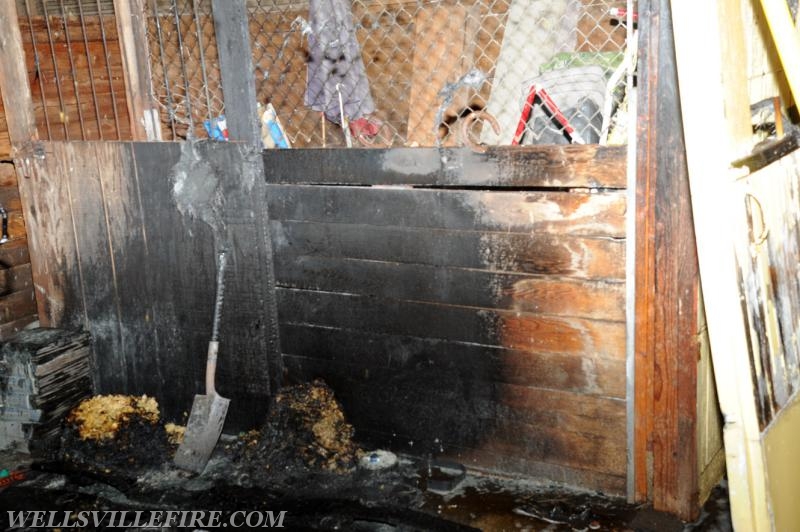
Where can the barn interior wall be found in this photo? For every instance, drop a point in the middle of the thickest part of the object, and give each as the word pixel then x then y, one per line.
pixel 533 363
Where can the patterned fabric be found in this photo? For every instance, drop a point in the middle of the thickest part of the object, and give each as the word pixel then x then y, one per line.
pixel 335 61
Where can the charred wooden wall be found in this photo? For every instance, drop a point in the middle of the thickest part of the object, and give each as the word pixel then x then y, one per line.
pixel 465 304
pixel 117 256
pixel 471 305
pixel 78 91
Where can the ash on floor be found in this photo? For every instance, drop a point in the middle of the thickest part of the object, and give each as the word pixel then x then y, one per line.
pixel 304 462
pixel 388 500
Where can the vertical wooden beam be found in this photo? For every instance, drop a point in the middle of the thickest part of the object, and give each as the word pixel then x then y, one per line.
pixel 666 342
pixel 236 68
pixel 14 83
pixel 145 124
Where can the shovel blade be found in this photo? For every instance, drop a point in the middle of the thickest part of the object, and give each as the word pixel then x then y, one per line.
pixel 202 432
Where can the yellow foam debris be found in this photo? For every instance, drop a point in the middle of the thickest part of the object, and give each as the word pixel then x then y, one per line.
pixel 100 417
pixel 175 433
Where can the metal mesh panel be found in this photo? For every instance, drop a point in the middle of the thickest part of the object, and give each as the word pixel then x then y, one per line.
pixel 403 72
pixel 75 69
pixel 184 65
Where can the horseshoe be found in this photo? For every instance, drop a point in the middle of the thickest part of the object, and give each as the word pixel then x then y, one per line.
pixel 466 126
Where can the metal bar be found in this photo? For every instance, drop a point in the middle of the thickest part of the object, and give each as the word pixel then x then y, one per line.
pixel 186 94
pixel 72 70
pixel 63 112
pixel 108 70
pixel 91 71
pixel 202 58
pixel 170 105
pixel 38 65
pixel 630 274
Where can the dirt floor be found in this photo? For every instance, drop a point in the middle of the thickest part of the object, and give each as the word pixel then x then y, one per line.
pixel 390 500
pixel 115 455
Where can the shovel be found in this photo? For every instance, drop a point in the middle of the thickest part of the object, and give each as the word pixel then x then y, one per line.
pixel 209 410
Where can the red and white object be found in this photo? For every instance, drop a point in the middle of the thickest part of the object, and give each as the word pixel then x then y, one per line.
pixel 552 109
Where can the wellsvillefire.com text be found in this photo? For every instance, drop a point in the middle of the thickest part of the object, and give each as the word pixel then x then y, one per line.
pixel 203 519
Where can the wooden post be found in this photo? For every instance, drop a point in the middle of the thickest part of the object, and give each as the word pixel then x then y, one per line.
pixel 666 343
pixel 236 68
pixel 710 148
pixel 14 83
pixel 18 106
pixel 145 124
pixel 239 90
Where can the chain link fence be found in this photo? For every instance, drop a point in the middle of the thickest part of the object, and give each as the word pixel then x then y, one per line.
pixel 403 72
pixel 184 66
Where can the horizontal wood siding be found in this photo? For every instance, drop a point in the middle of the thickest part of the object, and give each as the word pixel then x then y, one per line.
pixel 483 317
pixel 17 301
pixel 556 166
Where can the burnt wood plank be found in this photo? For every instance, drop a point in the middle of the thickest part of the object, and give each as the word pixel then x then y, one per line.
pixel 584 375
pixel 562 213
pixel 183 278
pixel 536 253
pixel 16 226
pixel 530 405
pixel 127 242
pixel 5 145
pixel 599 416
pixel 179 273
pixel 502 462
pixel 561 445
pixel 8 175
pixel 589 166
pixel 8 330
pixel 14 253
pixel 46 198
pixel 99 286
pixel 9 198
pixel 252 324
pixel 470 288
pixel 438 409
pixel 594 338
pixel 17 305
pixel 15 279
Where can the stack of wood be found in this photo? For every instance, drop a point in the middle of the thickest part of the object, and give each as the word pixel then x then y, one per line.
pixel 44 373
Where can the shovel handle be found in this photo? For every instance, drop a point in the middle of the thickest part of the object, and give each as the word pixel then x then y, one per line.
pixel 211 367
